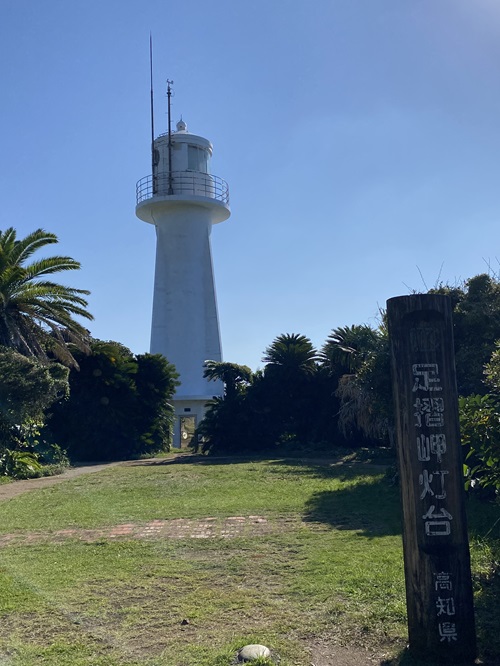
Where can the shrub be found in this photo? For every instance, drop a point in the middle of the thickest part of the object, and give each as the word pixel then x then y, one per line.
pixel 480 429
pixel 118 405
pixel 19 464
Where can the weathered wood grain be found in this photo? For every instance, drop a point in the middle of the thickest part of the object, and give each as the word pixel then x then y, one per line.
pixel 436 549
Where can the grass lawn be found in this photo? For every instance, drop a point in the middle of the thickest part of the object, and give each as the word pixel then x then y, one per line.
pixel 328 570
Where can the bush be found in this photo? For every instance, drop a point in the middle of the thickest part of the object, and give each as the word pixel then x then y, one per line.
pixel 480 429
pixel 19 464
pixel 118 405
pixel 32 456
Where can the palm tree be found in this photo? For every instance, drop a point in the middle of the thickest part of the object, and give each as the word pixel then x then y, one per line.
pixel 232 375
pixel 288 385
pixel 36 314
pixel 291 354
pixel 347 347
pixel 358 356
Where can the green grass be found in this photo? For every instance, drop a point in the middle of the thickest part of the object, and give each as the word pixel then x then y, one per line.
pixel 334 577
pixel 169 490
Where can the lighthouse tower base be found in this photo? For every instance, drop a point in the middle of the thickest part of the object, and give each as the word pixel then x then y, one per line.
pixel 188 415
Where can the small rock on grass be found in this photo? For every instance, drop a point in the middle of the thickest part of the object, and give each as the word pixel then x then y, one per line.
pixel 251 652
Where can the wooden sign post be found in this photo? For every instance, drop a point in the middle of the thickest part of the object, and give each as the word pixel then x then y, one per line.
pixel 435 541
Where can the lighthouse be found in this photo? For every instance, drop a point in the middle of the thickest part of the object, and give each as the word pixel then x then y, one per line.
pixel 183 199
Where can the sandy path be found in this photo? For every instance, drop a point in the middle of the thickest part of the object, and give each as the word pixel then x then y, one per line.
pixel 11 490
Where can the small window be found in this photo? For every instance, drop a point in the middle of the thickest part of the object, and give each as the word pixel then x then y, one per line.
pixel 197 159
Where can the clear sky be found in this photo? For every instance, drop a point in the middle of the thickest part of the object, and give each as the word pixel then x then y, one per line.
pixel 360 140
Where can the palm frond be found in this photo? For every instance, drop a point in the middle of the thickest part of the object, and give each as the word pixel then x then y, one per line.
pixel 37 316
pixel 23 249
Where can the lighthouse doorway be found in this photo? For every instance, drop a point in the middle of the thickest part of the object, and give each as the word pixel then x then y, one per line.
pixel 187 429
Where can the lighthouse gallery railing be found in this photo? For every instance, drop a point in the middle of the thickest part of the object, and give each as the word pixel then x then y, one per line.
pixel 182 182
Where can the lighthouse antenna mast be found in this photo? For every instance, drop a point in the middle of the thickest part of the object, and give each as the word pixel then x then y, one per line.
pixel 170 179
pixel 153 160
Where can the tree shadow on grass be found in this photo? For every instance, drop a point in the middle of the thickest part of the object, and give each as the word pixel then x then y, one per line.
pixel 187 458
pixel 368 500
pixel 319 466
pixel 334 467
pixel 368 504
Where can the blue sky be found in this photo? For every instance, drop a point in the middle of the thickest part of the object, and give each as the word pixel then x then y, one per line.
pixel 360 140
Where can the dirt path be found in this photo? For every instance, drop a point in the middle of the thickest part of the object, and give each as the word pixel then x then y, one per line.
pixel 15 488
pixel 11 490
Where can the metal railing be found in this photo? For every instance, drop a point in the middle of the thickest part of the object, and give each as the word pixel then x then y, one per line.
pixel 182 182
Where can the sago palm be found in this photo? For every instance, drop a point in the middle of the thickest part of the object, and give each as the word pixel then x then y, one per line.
pixel 232 375
pixel 347 347
pixel 291 353
pixel 36 314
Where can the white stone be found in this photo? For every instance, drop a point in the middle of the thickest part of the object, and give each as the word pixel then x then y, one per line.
pixel 251 652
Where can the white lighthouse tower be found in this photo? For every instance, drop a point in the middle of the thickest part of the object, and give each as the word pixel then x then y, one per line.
pixel 183 200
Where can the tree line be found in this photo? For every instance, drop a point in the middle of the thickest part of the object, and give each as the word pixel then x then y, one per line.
pixel 341 395
pixel 65 394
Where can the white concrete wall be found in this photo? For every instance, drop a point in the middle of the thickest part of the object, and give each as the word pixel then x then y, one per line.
pixel 185 326
pixel 180 143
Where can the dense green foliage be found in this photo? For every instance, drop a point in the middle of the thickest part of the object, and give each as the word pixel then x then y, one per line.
pixel 36 314
pixel 37 320
pixel 271 409
pixel 27 389
pixel 480 430
pixel 476 327
pixel 118 406
pixel 343 395
pixel 358 356
pixel 480 426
